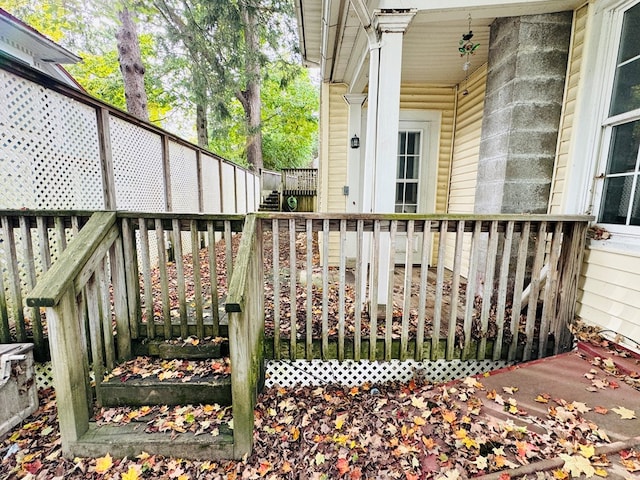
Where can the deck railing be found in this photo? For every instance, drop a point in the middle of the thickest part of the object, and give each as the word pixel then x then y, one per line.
pixel 312 284
pixel 300 181
pixel 30 242
pixel 123 282
pixel 456 287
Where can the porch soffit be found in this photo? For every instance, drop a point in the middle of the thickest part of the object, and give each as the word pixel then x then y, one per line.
pixel 430 44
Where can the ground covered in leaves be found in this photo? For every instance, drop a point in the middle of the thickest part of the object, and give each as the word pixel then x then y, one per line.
pixel 397 431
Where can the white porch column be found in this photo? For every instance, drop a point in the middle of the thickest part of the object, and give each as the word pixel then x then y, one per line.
pixel 354 155
pixel 391 26
pixel 355 167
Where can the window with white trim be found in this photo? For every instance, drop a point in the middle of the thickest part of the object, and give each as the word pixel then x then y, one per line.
pixel 408 171
pixel 620 201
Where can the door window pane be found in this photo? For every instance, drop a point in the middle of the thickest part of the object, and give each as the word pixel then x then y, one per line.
pixel 408 171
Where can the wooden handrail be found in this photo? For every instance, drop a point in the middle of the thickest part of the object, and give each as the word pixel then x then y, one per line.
pixel 237 285
pixel 62 274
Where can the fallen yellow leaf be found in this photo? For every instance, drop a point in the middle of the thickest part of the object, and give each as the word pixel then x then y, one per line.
pixel 131 474
pixel 419 421
pixel 625 413
pixel 103 464
pixel 587 451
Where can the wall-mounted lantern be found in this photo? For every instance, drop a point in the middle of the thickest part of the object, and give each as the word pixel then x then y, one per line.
pixel 355 142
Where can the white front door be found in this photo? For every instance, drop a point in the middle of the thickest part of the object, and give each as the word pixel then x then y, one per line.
pixel 415 183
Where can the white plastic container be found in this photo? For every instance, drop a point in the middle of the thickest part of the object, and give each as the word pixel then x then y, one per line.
pixel 18 392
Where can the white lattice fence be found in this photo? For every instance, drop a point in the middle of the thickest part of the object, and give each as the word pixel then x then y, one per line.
pixel 352 373
pixel 184 178
pixel 138 167
pixel 49 155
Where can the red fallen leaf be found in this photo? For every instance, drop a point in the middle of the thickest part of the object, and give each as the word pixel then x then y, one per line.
pixel 613 384
pixel 411 476
pixel 624 454
pixel 264 468
pixel 33 467
pixel 504 476
pixel 600 410
pixel 342 465
pixel 356 474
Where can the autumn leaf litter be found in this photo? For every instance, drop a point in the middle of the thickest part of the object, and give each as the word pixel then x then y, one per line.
pixel 407 431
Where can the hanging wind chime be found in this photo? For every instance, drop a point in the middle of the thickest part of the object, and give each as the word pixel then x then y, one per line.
pixel 466 49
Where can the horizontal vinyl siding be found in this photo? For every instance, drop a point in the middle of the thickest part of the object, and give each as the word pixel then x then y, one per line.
pixel 437 98
pixel 337 148
pixel 464 163
pixel 442 99
pixel 557 200
pixel 609 291
pixel 335 175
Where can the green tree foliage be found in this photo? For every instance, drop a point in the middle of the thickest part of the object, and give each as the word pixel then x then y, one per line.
pixel 195 54
pixel 289 121
pixel 231 44
pixel 88 30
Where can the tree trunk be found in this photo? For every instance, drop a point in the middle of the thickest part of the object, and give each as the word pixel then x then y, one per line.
pixel 252 103
pixel 131 66
pixel 202 126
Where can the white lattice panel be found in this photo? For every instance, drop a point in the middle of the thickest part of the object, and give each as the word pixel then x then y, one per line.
pixel 49 151
pixel 184 178
pixel 44 375
pixel 138 167
pixel 351 373
pixel 211 184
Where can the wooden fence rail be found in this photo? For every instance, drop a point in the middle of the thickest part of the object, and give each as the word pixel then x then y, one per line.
pixel 106 293
pixel 299 181
pixel 30 241
pixel 457 287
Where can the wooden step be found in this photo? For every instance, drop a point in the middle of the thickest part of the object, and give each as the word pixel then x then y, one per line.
pixel 152 391
pixel 188 351
pixel 130 441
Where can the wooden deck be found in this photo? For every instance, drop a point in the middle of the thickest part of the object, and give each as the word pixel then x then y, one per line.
pixel 569 379
pixel 100 297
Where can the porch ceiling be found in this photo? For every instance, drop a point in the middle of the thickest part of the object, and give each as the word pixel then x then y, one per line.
pixel 332 37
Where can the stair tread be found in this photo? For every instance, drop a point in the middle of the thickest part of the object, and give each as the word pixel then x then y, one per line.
pixel 156 381
pixel 129 441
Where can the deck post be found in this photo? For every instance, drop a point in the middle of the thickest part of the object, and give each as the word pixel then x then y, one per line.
pixel 70 369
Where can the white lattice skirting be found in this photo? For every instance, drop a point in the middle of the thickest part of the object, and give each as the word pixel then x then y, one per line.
pixel 44 375
pixel 349 373
pixel 352 373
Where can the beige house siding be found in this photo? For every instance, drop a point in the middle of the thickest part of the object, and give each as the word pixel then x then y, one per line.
pixel 442 99
pixel 333 165
pixel 609 286
pixel 464 162
pixel 557 199
pixel 609 291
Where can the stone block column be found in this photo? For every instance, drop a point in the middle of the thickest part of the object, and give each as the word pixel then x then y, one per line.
pixel 525 86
